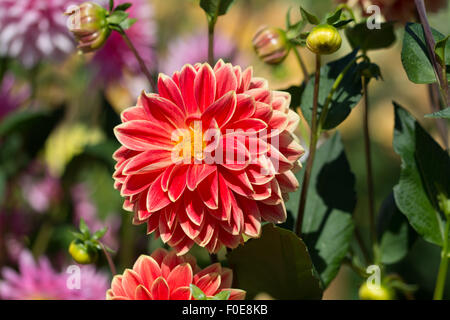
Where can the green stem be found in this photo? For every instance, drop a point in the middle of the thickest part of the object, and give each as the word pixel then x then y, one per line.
pixel 442 275
pixel 139 59
pixel 302 64
pixel 369 171
pixel 211 27
pixel 312 150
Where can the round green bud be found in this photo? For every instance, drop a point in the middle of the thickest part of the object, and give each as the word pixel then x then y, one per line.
pixel 374 292
pixel 271 45
pixel 324 39
pixel 82 254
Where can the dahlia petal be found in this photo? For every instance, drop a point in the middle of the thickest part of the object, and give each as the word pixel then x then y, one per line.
pixel 225 197
pixel 142 293
pixel 137 183
pixel 181 293
pixel 207 232
pixel 226 80
pixel 165 231
pixel 194 208
pixel 279 161
pixel 219 64
pixel 183 246
pixel 120 298
pixel 252 217
pixel 213 268
pixel 278 122
pixel 187 78
pixel 165 112
pixel 130 280
pixel 166 176
pixel 205 87
pixel 209 283
pixel 281 100
pixel 177 183
pixel 197 173
pixel 214 245
pixel 238 182
pixel 247 75
pixel 160 289
pixel 293 121
pixel 288 181
pixel 142 135
pixel 178 235
pixel 263 111
pixel 235 155
pixel 226 278
pixel 275 214
pixel 170 261
pixel 148 161
pixel 148 268
pixel 236 294
pixel 152 222
pixel 289 147
pixel 221 110
pixel 190 228
pixel 158 255
pixel 258 83
pixel 168 89
pixel 209 191
pixel 276 197
pixel 229 240
pixel 171 213
pixel 156 197
pixel 133 113
pixel 245 107
pixel 181 276
pixel 249 126
pixel 116 286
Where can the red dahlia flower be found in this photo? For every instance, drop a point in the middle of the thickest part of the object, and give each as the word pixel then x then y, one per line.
pixel 208 158
pixel 166 276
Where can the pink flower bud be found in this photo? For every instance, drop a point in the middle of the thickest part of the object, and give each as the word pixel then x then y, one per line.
pixel 271 45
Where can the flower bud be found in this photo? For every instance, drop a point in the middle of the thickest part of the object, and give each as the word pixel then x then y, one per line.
pixel 81 253
pixel 374 292
pixel 89 25
pixel 271 45
pixel 324 39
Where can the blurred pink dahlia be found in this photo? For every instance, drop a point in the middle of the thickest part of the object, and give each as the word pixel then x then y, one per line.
pixel 10 98
pixel 208 158
pixel 39 281
pixel 32 30
pixel 115 56
pixel 399 10
pixel 166 276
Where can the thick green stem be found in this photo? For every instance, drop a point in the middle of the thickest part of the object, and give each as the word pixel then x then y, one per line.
pixel 312 150
pixel 442 275
pixel 302 64
pixel 140 60
pixel 211 27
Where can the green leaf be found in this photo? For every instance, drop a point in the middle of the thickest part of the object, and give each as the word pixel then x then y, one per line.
pixel 127 23
pixel 100 233
pixel 359 36
pixel 123 6
pixel 215 8
pixel 111 5
pixel 443 114
pixel 334 17
pixel 346 97
pixel 83 227
pixel 117 17
pixel 223 295
pixel 278 264
pixel 327 223
pixel 342 23
pixel 394 232
pixel 425 168
pixel 197 293
pixel 415 57
pixel 309 17
pixel 440 49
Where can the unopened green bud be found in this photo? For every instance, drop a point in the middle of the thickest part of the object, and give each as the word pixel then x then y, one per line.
pixel 324 39
pixel 88 24
pixel 375 292
pixel 81 253
pixel 271 45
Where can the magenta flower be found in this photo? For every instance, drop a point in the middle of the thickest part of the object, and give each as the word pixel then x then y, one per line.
pixel 32 30
pixel 39 281
pixel 194 48
pixel 11 99
pixel 115 56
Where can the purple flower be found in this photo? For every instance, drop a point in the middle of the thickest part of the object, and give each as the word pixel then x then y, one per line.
pixel 115 56
pixel 32 30
pixel 37 280
pixel 10 98
pixel 194 48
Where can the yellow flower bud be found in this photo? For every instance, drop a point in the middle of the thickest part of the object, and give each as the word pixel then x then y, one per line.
pixel 374 292
pixel 324 39
pixel 82 254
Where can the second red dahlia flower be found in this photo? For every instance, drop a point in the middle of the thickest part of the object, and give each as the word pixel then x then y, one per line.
pixel 208 158
pixel 166 276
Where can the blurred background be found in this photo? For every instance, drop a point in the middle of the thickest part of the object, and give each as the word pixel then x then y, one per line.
pixel 58 109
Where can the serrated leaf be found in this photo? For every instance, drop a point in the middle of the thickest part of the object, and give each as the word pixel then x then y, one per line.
pixel 414 194
pixel 312 19
pixel 443 114
pixel 415 59
pixel 327 223
pixel 197 293
pixel 346 97
pixel 359 36
pixel 278 264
